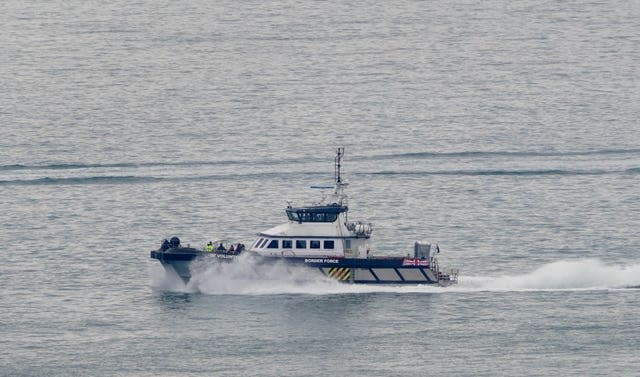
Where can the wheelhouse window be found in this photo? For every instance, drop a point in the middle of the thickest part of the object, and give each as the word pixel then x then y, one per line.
pixel 320 217
pixel 273 244
pixel 301 244
pixel 258 242
pixel 286 244
pixel 263 243
pixel 329 244
pixel 320 214
pixel 314 244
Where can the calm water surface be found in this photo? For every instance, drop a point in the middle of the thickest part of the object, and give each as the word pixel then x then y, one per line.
pixel 506 132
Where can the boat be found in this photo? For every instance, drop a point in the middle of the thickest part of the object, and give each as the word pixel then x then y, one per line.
pixel 321 238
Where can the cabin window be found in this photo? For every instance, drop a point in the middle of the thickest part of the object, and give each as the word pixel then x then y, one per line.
pixel 301 244
pixel 257 242
pixel 318 217
pixel 347 244
pixel 286 244
pixel 321 214
pixel 263 243
pixel 328 244
pixel 273 244
pixel 314 244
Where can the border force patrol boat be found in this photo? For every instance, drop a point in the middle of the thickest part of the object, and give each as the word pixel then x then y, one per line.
pixel 322 238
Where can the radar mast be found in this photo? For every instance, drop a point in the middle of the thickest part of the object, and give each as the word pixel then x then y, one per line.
pixel 338 160
pixel 339 196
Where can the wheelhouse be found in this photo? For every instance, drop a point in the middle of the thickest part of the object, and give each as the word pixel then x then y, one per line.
pixel 318 214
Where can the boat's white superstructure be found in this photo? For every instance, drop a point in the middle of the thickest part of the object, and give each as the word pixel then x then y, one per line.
pixel 319 230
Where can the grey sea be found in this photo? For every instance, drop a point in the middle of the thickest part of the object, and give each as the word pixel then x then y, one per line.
pixel 506 132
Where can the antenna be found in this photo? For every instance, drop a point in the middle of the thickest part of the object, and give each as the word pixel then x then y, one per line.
pixel 338 159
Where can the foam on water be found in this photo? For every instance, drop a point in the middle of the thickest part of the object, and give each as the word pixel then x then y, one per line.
pixel 247 278
pixel 583 274
pixel 166 280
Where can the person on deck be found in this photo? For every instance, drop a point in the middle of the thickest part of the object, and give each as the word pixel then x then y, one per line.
pixel 210 247
pixel 221 248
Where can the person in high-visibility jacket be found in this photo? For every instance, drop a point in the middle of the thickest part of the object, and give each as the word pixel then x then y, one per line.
pixel 210 247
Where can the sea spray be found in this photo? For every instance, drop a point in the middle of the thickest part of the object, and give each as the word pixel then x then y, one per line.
pixel 563 275
pixel 167 280
pixel 248 277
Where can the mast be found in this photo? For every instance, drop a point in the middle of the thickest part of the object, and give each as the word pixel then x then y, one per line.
pixel 338 194
pixel 338 160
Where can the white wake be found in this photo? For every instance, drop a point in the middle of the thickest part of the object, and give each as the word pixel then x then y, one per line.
pixel 580 274
pixel 244 277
